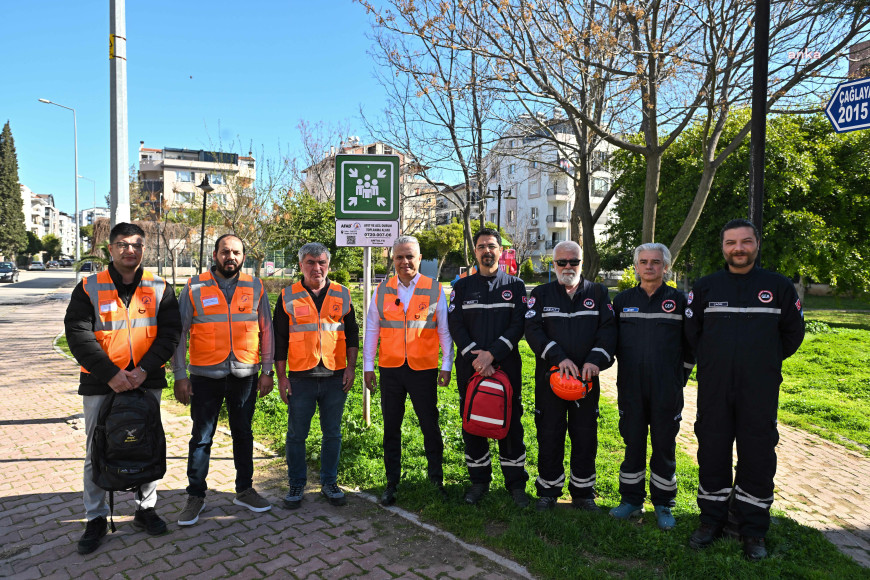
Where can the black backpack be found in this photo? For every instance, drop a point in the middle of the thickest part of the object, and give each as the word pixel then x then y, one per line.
pixel 128 445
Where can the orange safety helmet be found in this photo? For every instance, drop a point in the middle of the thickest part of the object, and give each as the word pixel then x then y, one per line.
pixel 567 387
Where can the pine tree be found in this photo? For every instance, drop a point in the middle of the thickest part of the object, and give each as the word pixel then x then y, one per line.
pixel 13 238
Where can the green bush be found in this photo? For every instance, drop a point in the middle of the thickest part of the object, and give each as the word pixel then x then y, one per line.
pixel 340 277
pixel 818 327
pixel 627 281
pixel 527 271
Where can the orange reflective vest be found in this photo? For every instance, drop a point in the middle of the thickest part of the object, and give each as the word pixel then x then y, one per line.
pixel 124 333
pixel 217 329
pixel 316 336
pixel 411 336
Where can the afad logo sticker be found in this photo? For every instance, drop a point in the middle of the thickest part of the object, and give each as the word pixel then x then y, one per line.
pixel 531 302
pixel 669 305
pixel 691 296
pixel 765 296
pixel 589 303
pixel 507 295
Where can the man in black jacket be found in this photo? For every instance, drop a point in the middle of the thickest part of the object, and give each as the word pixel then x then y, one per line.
pixel 122 325
pixel 485 317
pixel 742 322
pixel 569 325
pixel 654 365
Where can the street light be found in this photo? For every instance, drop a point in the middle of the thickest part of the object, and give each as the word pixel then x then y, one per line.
pixel 206 187
pixel 76 172
pixel 94 212
pixel 499 194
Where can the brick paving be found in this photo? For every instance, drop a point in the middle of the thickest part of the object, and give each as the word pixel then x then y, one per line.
pixel 818 483
pixel 41 514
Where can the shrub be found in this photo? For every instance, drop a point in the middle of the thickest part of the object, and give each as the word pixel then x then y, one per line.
pixel 627 281
pixel 527 271
pixel 340 277
pixel 818 327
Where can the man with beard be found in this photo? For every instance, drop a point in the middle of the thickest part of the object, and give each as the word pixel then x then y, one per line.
pixel 569 325
pixel 486 322
pixel 742 322
pixel 654 365
pixel 122 325
pixel 226 314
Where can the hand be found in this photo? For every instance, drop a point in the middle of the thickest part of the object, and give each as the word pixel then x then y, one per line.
pixel 121 382
pixel 265 384
pixel 137 376
pixel 348 378
pixel 284 388
pixel 370 380
pixel 443 378
pixel 589 371
pixel 567 368
pixel 483 360
pixel 183 391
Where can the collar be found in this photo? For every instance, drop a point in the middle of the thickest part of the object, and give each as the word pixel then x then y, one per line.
pixel 411 284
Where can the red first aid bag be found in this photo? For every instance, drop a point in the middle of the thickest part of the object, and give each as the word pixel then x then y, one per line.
pixel 487 411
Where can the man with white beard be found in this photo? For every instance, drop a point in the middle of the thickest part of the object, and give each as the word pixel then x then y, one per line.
pixel 569 325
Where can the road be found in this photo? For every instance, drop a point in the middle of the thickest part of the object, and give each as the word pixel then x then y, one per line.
pixel 32 286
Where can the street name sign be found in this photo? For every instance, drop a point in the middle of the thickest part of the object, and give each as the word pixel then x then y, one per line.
pixel 849 107
pixel 365 233
pixel 367 187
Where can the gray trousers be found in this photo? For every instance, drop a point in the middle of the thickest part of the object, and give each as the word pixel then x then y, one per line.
pixel 94 496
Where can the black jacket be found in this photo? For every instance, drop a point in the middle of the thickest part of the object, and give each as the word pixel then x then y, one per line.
pixel 79 325
pixel 486 314
pixel 652 347
pixel 581 328
pixel 750 322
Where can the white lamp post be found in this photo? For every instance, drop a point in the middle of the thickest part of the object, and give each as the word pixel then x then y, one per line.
pixel 76 172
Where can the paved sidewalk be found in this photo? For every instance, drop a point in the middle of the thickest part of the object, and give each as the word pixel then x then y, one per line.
pixel 818 483
pixel 41 515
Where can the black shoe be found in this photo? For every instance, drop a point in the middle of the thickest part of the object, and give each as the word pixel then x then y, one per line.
pixel 520 497
pixel 545 504
pixel 149 521
pixel 94 532
pixel 586 504
pixel 754 548
pixel 704 535
pixel 389 496
pixel 476 492
pixel 442 493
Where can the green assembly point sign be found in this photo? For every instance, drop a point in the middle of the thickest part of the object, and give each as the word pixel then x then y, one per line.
pixel 367 187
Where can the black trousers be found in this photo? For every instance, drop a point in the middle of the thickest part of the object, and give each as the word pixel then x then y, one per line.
pixel 741 409
pixel 422 387
pixel 656 408
pixel 554 417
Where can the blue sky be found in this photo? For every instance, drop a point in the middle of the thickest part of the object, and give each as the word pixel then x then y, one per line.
pixel 199 74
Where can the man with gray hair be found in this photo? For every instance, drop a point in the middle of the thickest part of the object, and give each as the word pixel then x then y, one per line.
pixel 570 328
pixel 408 316
pixel 316 346
pixel 654 365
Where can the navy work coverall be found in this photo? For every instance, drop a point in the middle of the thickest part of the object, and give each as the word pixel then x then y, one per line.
pixel 654 365
pixel 582 329
pixel 741 327
pixel 486 313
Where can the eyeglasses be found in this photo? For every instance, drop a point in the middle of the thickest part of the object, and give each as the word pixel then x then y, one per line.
pixel 563 263
pixel 490 247
pixel 125 246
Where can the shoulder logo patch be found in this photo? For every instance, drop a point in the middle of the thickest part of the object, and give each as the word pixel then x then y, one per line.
pixel 451 308
pixel 589 303
pixel 798 304
pixel 691 296
pixel 669 305
pixel 452 295
pixel 765 296
pixel 531 302
pixel 689 313
pixel 530 314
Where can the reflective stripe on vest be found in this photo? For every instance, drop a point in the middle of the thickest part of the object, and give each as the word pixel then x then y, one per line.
pixel 411 336
pixel 316 336
pixel 217 328
pixel 124 333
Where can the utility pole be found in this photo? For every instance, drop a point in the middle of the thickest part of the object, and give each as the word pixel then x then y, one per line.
pixel 120 185
pixel 759 116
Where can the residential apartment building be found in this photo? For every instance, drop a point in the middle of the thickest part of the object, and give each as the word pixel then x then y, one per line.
pixel 173 175
pixel 537 186
pixel 42 217
pixel 417 198
pixel 90 215
pixel 450 201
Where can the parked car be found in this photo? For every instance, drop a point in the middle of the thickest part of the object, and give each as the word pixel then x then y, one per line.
pixel 88 267
pixel 36 266
pixel 53 264
pixel 65 263
pixel 8 272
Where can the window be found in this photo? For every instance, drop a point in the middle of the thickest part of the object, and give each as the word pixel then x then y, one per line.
pixel 216 178
pixel 492 216
pixel 511 168
pixel 184 176
pixel 512 143
pixel 512 216
pixel 218 198
pixel 533 236
pixel 599 187
pixel 534 212
pixel 184 196
pixel 533 164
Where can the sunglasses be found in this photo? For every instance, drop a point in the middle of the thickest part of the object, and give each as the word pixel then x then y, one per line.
pixel 563 263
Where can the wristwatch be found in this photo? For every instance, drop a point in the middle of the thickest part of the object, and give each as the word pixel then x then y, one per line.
pixel 269 373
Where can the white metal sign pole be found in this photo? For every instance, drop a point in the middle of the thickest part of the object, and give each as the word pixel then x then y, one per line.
pixel 367 294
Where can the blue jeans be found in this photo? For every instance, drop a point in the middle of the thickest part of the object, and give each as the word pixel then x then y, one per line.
pixel 308 393
pixel 205 406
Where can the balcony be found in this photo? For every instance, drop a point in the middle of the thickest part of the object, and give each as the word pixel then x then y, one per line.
pixel 152 185
pixel 554 194
pixel 551 244
pixel 557 221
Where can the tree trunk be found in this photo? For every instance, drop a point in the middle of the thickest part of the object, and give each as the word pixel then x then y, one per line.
pixel 651 196
pixel 694 211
